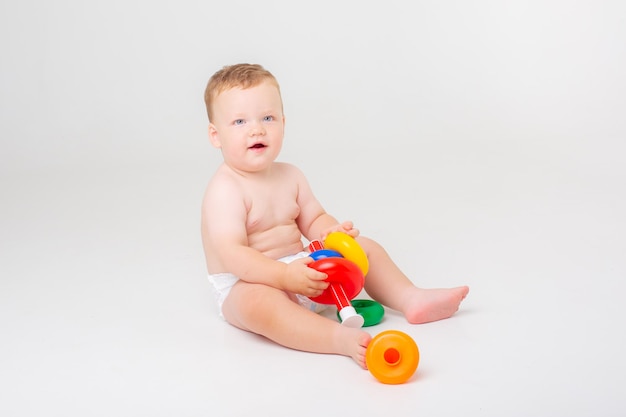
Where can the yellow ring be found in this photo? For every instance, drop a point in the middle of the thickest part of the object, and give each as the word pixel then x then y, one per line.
pixel 349 248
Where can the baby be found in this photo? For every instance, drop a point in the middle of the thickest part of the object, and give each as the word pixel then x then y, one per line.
pixel 255 212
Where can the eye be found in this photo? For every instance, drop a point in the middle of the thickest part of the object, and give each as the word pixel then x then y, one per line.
pixel 239 122
pixel 268 118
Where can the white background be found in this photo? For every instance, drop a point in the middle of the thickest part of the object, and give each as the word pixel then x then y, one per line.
pixel 481 143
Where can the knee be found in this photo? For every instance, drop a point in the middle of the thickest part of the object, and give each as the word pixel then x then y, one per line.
pixel 369 245
pixel 248 298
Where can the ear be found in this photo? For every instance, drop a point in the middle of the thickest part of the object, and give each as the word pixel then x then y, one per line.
pixel 214 136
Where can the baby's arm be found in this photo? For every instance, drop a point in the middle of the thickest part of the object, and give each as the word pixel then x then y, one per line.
pixel 345 227
pixel 314 221
pixel 225 240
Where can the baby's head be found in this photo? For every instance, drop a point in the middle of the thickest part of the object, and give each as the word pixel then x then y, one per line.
pixel 235 76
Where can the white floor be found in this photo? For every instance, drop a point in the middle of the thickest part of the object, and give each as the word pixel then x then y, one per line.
pixel 105 309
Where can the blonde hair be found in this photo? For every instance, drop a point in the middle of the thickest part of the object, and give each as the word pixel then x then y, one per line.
pixel 235 76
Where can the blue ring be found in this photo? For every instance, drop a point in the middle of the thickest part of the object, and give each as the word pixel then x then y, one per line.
pixel 325 253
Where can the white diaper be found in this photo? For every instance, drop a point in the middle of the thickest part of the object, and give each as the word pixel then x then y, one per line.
pixel 224 281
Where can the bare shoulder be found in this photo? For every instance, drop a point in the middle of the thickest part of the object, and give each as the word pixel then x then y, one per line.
pixel 222 186
pixel 291 170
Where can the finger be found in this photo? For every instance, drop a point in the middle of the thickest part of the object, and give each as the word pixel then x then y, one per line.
pixel 316 293
pixel 318 276
pixel 320 286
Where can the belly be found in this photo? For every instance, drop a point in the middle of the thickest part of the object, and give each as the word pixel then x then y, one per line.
pixel 278 241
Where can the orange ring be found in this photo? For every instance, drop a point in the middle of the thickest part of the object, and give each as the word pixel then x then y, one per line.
pixel 392 357
pixel 349 248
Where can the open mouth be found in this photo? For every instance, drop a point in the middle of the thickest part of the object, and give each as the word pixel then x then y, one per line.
pixel 257 146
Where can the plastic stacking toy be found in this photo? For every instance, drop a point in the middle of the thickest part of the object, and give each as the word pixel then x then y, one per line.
pixel 392 357
pixel 349 248
pixel 346 281
pixel 346 264
pixel 371 311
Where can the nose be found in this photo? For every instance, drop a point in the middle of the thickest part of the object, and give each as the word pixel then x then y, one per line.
pixel 257 129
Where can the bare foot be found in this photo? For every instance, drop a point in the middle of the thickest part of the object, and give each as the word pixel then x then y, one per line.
pixel 426 305
pixel 353 343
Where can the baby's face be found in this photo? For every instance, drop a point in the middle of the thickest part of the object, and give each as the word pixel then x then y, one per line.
pixel 248 126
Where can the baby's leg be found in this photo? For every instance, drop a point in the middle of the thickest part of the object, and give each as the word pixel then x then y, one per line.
pixel 272 313
pixel 387 284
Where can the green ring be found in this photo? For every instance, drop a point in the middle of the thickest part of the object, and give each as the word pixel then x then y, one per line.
pixel 371 311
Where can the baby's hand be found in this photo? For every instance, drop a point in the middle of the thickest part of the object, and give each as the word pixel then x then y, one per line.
pixel 300 279
pixel 345 227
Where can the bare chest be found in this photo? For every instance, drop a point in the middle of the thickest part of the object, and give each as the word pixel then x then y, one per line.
pixel 269 207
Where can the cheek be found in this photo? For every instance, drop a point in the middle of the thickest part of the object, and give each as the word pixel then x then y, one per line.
pixel 277 133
